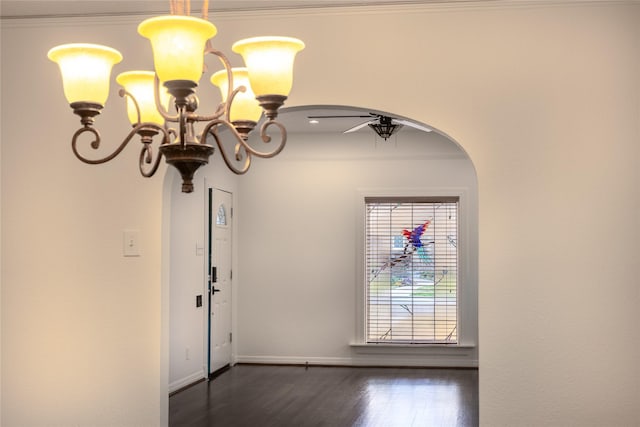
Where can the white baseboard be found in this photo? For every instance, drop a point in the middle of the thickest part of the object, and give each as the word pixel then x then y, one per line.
pixel 294 360
pixel 183 382
pixel 369 360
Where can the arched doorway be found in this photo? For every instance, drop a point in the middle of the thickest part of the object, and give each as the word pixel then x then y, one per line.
pixel 297 249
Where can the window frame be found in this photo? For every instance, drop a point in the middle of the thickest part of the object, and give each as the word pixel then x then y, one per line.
pixel 467 289
pixel 409 204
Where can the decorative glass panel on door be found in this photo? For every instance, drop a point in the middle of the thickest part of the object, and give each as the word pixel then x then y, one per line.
pixel 221 216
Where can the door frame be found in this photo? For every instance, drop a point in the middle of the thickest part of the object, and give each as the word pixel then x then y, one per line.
pixel 209 193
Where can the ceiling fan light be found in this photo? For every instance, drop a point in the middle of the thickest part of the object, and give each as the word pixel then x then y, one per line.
pixel 385 129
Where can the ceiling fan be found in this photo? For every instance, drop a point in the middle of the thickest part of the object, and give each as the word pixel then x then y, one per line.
pixel 384 126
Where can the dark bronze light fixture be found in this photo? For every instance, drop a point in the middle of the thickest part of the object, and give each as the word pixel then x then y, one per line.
pixel 385 127
pixel 180 43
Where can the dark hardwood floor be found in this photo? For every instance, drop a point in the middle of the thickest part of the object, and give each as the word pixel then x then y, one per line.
pixel 262 396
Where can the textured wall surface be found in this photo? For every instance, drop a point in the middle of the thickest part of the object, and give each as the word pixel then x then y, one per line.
pixel 543 97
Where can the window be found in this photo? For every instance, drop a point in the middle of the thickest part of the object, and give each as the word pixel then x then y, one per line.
pixel 411 270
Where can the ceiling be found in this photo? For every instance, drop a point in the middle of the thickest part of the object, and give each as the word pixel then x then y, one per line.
pixel 59 8
pixel 295 119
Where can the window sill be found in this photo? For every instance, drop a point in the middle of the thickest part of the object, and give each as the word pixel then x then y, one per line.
pixel 401 348
pixel 424 355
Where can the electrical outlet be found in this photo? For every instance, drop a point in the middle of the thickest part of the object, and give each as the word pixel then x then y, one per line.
pixel 186 353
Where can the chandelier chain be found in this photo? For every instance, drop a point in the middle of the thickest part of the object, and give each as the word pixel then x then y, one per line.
pixel 183 7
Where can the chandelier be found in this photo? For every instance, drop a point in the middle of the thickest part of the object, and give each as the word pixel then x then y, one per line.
pixel 180 43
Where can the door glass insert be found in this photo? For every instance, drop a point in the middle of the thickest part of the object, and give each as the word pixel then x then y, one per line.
pixel 221 216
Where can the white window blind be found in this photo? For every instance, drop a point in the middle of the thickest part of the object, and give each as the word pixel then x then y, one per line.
pixel 411 280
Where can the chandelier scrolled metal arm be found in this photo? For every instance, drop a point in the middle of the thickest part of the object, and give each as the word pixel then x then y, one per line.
pixel 146 130
pixel 239 129
pixel 182 146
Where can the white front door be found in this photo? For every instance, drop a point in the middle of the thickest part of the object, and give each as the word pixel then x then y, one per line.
pixel 220 286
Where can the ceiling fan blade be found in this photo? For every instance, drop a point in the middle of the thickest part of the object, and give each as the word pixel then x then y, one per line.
pixel 337 117
pixel 412 124
pixel 360 126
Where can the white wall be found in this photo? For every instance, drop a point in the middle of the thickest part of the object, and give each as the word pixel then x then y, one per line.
pixel 187 276
pixel 187 330
pixel 543 97
pixel 81 323
pixel 300 225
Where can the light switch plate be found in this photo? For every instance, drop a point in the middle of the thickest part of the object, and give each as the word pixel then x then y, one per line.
pixel 131 243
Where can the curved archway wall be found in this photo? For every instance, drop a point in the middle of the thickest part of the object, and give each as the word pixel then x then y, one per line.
pixel 544 99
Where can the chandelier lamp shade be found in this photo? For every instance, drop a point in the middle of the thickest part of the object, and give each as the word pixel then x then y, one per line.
pixel 180 44
pixel 245 105
pixel 141 105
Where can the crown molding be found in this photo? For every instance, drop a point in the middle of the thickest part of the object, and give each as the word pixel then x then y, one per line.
pixel 342 8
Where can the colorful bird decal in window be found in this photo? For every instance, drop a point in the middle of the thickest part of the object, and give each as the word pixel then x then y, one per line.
pixel 413 237
pixel 413 244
